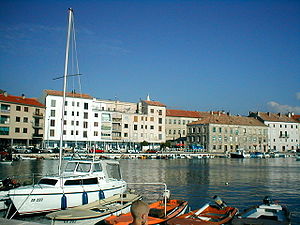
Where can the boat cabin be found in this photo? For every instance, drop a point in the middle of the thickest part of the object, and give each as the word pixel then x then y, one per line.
pixel 85 173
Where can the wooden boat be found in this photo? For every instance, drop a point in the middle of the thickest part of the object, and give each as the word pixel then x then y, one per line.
pixel 95 211
pixel 156 214
pixel 210 213
pixel 268 213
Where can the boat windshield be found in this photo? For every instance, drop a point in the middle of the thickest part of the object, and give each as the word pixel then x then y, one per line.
pixel 48 181
pixel 70 167
pixel 83 167
pixel 113 171
pixel 97 167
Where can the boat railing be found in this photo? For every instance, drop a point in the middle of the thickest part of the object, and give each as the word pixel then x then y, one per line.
pixel 166 192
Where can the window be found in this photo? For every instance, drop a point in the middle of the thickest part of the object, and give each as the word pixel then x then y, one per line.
pixel 25 130
pixel 25 109
pixel 152 127
pixel 95 133
pixel 77 113
pixel 86 105
pixel 18 119
pixel 77 104
pixel 135 119
pixel 85 124
pixel 160 120
pixel 18 108
pixel 152 110
pixel 73 113
pixel 160 112
pixel 4 130
pixel 73 103
pixel 25 119
pixel 95 124
pixel 48 181
pixel 106 117
pixel 77 123
pixel 53 103
pixel 213 129
pixel 113 171
pixel 84 134
pixel 96 114
pixel 125 125
pixel 125 134
pixel 65 113
pixel 65 122
pixel 64 132
pixel 51 133
pixel 17 130
pixel 52 113
pixel 152 119
pixel 135 127
pixel 72 132
pixel 85 115
pixel 52 123
pixel 97 167
pixel 159 128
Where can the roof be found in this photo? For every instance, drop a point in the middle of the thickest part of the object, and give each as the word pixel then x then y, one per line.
pixel 68 94
pixel 296 117
pixel 154 103
pixel 20 100
pixel 229 120
pixel 275 117
pixel 183 113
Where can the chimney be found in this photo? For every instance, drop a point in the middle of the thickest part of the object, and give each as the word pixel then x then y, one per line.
pixel 23 96
pixel 5 93
pixel 211 112
pixel 268 113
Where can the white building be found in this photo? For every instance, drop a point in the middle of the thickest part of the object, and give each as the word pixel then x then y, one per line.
pixel 85 119
pixel 283 130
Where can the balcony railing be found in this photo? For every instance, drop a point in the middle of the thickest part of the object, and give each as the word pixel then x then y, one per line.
pixel 283 136
pixel 37 135
pixel 40 115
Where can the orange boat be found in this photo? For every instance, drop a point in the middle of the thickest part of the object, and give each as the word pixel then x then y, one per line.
pixel 215 214
pixel 156 214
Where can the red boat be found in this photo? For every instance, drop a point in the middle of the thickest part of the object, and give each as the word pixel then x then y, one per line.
pixel 216 214
pixel 156 214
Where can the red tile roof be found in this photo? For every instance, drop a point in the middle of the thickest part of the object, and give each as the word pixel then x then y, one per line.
pixel 68 94
pixel 296 117
pixel 20 100
pixel 192 114
pixel 229 120
pixel 183 113
pixel 154 103
pixel 275 117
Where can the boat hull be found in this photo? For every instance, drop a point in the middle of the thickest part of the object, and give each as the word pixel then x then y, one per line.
pixel 42 199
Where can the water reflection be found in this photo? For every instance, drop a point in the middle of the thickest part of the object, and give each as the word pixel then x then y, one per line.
pixel 240 182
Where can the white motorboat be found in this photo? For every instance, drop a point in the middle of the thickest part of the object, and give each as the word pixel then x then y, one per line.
pixel 96 211
pixel 240 153
pixel 80 183
pixel 268 213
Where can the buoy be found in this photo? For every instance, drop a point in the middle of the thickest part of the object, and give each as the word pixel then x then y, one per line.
pixel 63 202
pixel 101 195
pixel 84 198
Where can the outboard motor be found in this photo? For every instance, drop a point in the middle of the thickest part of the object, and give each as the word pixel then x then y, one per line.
pixel 220 203
pixel 267 200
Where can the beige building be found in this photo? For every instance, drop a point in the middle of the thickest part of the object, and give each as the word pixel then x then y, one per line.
pixel 146 125
pixel 225 133
pixel 21 120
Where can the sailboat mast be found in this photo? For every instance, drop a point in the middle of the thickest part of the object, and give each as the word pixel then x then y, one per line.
pixel 65 88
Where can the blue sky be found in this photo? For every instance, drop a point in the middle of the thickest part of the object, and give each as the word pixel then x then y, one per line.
pixel 236 56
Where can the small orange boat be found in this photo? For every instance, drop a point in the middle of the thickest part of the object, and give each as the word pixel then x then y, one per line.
pixel 156 214
pixel 213 214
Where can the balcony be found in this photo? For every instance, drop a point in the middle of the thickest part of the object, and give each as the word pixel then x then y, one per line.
pixel 37 126
pixel 283 136
pixel 38 115
pixel 4 121
pixel 37 135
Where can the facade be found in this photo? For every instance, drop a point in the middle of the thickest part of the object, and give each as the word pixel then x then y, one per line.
pixel 21 120
pixel 283 130
pixel 102 123
pixel 226 133
pixel 176 123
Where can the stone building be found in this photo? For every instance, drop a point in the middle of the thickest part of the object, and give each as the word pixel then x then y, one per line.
pixel 21 120
pixel 283 130
pixel 226 133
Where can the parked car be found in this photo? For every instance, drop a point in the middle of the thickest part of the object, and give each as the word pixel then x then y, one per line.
pixel 151 151
pixel 96 150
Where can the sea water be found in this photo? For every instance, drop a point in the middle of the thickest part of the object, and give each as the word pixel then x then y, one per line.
pixel 240 183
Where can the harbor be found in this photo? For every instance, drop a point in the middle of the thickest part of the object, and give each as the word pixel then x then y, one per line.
pixel 240 182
